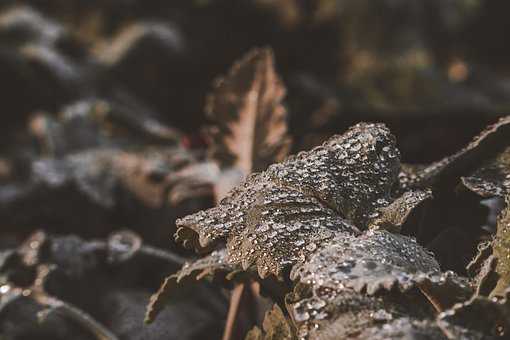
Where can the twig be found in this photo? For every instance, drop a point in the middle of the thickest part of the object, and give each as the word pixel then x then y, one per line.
pixel 233 310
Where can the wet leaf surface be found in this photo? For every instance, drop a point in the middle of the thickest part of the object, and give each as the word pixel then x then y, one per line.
pixel 278 216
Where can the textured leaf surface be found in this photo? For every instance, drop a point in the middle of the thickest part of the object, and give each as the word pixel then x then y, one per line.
pixel 373 263
pixel 277 217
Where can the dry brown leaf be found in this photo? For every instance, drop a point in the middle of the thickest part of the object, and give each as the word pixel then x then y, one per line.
pixel 250 130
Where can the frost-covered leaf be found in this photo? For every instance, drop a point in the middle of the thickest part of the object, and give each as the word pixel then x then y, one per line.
pixel 370 262
pixel 363 268
pixel 328 214
pixel 347 314
pixel 250 130
pixel 277 217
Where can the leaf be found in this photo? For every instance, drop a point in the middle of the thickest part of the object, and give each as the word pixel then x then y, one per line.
pixel 374 261
pixel 373 264
pixel 347 315
pixel 276 217
pixel 483 317
pixel 404 328
pixel 276 327
pixel 250 130
pixel 492 179
pixel 370 262
pixel 327 214
pixel 487 145
pixel 197 179
pixel 87 124
pixel 317 201
pixel 501 251
pixel 195 270
pixel 395 215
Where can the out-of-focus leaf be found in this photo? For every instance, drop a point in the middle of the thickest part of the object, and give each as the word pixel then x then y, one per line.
pixel 492 179
pixel 276 327
pixel 63 287
pixel 501 251
pixel 485 318
pixel 487 145
pixel 87 124
pixel 250 130
pixel 128 46
pixel 206 266
pixel 194 180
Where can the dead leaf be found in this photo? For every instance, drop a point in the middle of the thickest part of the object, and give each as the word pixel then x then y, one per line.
pixel 250 130
pixel 276 327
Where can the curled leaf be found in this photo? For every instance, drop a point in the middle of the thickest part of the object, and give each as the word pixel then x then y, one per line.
pixel 492 179
pixel 395 215
pixel 195 270
pixel 487 145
